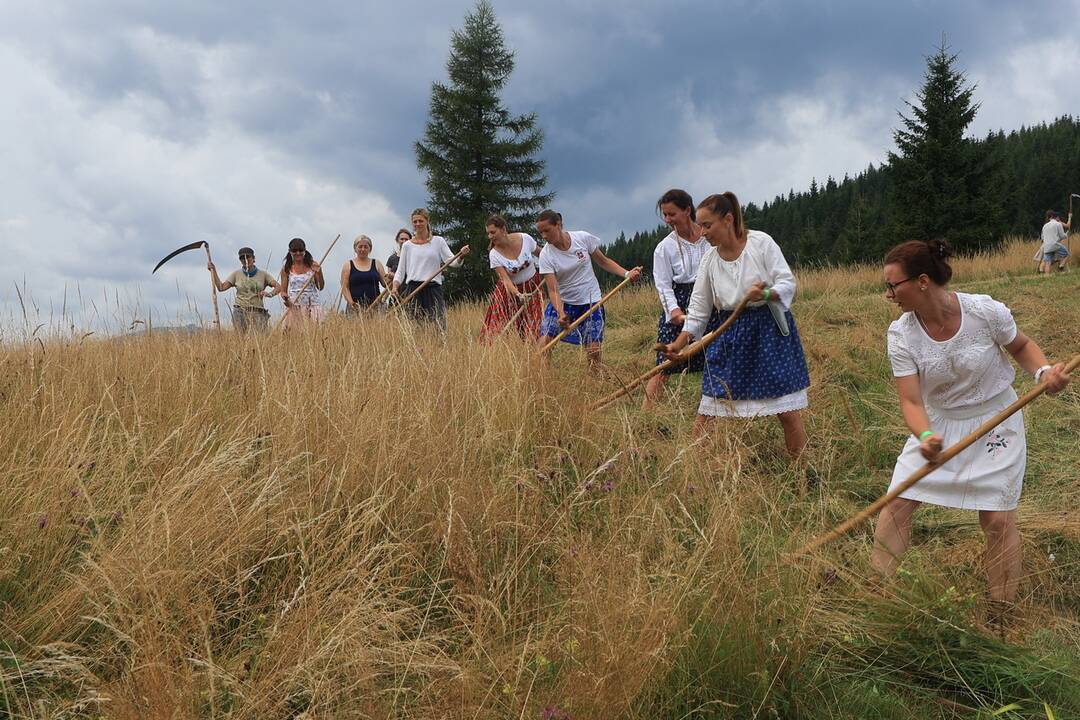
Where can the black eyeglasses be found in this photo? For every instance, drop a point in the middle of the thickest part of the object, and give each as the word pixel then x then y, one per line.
pixel 297 252
pixel 891 287
pixel 247 257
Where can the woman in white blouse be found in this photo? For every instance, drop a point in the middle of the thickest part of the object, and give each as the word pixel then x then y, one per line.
pixel 514 258
pixel 420 259
pixel 675 265
pixel 951 377
pixel 757 367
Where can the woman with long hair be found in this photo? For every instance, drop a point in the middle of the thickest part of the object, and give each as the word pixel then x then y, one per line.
pixel 421 259
pixel 952 376
pixel 513 257
pixel 757 367
pixel 676 260
pixel 566 264
pixel 299 266
pixel 361 277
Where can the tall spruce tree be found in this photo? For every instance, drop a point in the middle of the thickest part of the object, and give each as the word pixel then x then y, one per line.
pixel 939 173
pixel 479 159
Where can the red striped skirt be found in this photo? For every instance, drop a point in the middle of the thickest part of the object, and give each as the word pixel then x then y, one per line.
pixel 504 308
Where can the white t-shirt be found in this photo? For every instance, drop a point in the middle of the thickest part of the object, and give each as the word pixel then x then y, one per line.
pixel 418 262
pixel 723 283
pixel 573 268
pixel 1053 232
pixel 520 268
pixel 967 369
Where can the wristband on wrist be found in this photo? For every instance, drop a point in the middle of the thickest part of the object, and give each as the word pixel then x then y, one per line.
pixel 767 293
pixel 1039 373
pixel 625 274
pixel 925 434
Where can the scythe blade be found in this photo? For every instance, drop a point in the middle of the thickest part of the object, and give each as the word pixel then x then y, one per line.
pixel 174 253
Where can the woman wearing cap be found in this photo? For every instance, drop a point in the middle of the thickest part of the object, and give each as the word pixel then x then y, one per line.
pixel 951 376
pixel 513 257
pixel 250 282
pixel 299 267
pixel 421 259
pixel 361 277
pixel 675 266
pixel 757 367
pixel 566 264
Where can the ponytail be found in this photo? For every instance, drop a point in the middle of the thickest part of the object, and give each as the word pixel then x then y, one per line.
pixel 723 204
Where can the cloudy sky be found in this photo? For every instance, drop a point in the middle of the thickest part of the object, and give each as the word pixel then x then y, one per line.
pixel 130 127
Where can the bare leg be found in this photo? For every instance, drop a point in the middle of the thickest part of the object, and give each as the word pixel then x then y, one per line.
pixel 892 535
pixel 794 433
pixel 653 389
pixel 703 425
pixel 592 351
pixel 1003 562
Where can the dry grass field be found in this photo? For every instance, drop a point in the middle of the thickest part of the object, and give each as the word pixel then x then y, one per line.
pixel 363 520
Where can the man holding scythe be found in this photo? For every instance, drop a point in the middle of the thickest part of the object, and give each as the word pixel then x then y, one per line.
pixel 250 282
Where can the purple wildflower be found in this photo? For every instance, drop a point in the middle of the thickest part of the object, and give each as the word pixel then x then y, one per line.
pixel 691 489
pixel 608 486
pixel 74 492
pixel 42 521
pixel 589 486
pixel 553 712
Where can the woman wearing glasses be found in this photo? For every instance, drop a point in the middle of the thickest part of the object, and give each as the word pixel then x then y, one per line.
pixel 299 267
pixel 951 377
pixel 250 282
pixel 757 367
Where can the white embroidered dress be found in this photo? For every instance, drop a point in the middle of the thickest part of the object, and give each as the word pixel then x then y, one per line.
pixel 964 380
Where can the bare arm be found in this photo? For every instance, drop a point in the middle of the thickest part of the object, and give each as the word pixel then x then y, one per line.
pixel 1030 357
pixel 345 292
pixel 319 281
pixel 553 296
pixel 914 412
pixel 285 287
pixel 504 279
pixel 221 286
pixel 613 267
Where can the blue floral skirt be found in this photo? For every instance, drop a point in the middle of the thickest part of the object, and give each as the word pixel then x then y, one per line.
pixel 753 361
pixel 666 332
pixel 590 331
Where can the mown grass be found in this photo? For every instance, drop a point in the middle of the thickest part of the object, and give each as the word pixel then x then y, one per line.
pixel 366 521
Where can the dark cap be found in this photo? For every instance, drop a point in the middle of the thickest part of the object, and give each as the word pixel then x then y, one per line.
pixel 246 251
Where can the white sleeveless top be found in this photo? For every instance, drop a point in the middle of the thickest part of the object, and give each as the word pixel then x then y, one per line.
pixel 311 292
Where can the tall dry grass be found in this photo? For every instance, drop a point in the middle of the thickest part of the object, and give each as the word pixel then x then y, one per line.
pixel 366 520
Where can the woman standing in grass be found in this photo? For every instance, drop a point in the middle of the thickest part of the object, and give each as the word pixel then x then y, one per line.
pixel 757 367
pixel 361 277
pixel 513 257
pixel 952 376
pixel 675 267
pixel 421 258
pixel 566 263
pixel 403 236
pixel 299 266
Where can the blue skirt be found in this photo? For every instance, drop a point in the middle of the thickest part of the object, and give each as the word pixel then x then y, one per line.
pixel 666 332
pixel 590 331
pixel 753 361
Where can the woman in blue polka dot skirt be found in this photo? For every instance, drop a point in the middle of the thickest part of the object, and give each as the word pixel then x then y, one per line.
pixel 757 366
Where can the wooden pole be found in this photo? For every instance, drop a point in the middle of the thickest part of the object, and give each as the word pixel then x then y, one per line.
pixel 928 468
pixel 585 314
pixel 690 351
pixel 424 284
pixel 217 317
pixel 527 298
pixel 308 281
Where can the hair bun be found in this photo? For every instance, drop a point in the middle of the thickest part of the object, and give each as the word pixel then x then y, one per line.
pixel 940 249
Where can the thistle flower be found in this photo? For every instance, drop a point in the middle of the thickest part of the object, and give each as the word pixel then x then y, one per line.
pixel 42 521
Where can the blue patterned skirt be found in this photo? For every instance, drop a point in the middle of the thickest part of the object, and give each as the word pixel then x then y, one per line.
pixel 666 332
pixel 590 331
pixel 753 361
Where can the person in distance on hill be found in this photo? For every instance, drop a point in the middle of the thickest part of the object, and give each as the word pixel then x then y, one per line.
pixel 421 257
pixel 1053 250
pixel 951 377
pixel 513 257
pixel 566 264
pixel 361 277
pixel 250 282
pixel 675 266
pixel 757 367
pixel 299 266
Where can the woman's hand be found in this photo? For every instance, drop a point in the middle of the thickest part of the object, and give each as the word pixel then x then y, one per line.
pixel 676 317
pixel 756 293
pixel 564 321
pixel 465 250
pixel 210 267
pixel 1056 379
pixel 673 350
pixel 931 448
pixel 315 266
pixel 634 274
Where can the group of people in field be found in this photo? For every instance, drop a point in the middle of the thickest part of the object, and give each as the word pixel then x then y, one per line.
pixel 946 349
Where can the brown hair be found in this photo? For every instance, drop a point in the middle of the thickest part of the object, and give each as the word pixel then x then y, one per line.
pixel 680 199
pixel 398 234
pixel 550 216
pixel 918 257
pixel 498 221
pixel 722 204
pixel 297 244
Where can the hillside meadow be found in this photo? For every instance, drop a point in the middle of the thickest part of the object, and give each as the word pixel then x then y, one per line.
pixel 363 520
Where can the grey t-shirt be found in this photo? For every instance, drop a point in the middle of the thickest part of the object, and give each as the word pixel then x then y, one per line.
pixel 248 288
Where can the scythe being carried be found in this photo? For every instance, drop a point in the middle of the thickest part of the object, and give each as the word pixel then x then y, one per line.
pixel 194 246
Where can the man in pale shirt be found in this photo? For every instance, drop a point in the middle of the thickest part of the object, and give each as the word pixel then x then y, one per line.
pixel 1053 232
